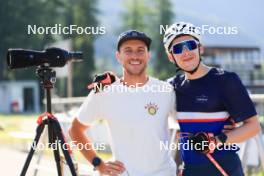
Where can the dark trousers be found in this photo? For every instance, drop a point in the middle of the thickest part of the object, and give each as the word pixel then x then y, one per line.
pixel 230 163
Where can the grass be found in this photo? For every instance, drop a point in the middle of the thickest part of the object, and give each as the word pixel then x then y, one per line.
pixel 17 122
pixel 11 123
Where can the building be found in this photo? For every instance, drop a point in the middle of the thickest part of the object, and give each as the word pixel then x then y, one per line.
pixel 19 97
pixel 236 53
pixel 243 60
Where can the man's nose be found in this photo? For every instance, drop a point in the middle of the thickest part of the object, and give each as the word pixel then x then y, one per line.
pixel 135 55
pixel 185 50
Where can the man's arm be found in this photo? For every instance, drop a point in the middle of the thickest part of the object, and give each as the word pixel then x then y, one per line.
pixel 77 133
pixel 248 129
pixel 240 107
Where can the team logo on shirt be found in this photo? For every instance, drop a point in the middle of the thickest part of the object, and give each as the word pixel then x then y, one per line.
pixel 201 99
pixel 152 108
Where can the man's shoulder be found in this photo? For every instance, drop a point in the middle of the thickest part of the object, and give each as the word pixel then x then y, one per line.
pixel 224 74
pixel 158 81
pixel 176 79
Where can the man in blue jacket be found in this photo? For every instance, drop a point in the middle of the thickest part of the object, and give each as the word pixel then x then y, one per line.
pixel 207 98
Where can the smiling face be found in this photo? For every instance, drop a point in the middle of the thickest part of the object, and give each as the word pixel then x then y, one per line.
pixel 134 56
pixel 187 60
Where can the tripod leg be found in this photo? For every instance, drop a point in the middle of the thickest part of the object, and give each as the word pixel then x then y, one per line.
pixel 38 162
pixel 68 157
pixel 64 150
pixel 50 132
pixel 32 149
pixel 56 152
pixel 41 153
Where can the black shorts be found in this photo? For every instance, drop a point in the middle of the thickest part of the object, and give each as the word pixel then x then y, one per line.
pixel 230 163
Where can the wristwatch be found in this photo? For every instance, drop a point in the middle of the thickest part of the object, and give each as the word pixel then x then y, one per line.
pixel 222 138
pixel 96 162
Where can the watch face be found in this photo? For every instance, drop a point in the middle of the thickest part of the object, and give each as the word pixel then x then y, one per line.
pixel 96 161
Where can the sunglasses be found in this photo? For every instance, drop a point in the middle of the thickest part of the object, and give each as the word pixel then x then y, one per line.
pixel 178 48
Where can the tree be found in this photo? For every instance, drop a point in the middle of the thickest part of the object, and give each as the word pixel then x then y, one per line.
pixel 84 14
pixel 15 16
pixel 148 16
pixel 163 67
pixel 135 15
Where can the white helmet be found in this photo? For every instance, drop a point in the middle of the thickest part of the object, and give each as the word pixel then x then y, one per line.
pixel 177 29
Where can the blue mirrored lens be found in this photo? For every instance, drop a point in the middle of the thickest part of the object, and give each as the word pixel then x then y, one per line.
pixel 178 48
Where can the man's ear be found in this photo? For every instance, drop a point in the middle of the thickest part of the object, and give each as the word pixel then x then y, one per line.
pixel 201 48
pixel 149 55
pixel 170 57
pixel 117 54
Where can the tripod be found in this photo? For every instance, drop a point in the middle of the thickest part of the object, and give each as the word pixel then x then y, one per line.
pixel 47 79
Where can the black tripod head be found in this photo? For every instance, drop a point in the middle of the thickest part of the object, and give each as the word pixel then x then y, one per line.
pixel 47 76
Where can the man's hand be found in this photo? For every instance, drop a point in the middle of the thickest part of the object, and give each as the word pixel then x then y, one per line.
pixel 111 168
pixel 232 125
pixel 101 80
pixel 203 142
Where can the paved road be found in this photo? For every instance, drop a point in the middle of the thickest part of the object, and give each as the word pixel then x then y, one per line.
pixel 12 161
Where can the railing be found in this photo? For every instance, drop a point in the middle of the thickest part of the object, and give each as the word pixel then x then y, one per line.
pixel 66 104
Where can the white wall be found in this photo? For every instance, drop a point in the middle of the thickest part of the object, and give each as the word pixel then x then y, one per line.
pixel 11 91
pixel 5 98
